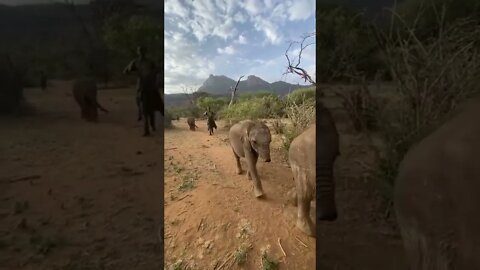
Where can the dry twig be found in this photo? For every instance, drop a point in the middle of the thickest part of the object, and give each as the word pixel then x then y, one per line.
pixel 280 244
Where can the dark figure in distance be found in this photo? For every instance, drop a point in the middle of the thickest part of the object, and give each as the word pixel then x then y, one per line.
pixel 148 98
pixel 210 121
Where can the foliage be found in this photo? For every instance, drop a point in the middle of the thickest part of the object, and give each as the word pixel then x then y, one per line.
pixel 264 105
pixel 257 94
pixel 432 76
pixel 361 107
pixel 168 119
pixel 302 114
pixel 344 45
pixel 425 15
pixel 301 95
pixel 123 35
pixel 214 104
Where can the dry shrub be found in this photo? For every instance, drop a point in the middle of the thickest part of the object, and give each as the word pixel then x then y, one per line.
pixel 432 77
pixel 278 126
pixel 361 107
pixel 301 115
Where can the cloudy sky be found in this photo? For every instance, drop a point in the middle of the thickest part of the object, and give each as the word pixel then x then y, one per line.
pixel 234 38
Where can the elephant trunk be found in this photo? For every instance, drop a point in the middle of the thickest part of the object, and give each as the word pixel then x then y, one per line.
pixel 327 209
pixel 264 153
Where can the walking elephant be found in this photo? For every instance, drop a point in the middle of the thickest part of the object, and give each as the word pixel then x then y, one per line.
pixel 85 94
pixel 436 196
pixel 312 157
pixel 251 140
pixel 191 123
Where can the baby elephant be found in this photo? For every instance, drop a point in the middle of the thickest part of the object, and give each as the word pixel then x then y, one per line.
pixel 312 168
pixel 191 123
pixel 85 94
pixel 251 139
pixel 436 196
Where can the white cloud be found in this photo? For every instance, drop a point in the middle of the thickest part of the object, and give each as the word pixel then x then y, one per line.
pixel 241 39
pixel 227 50
pixel 301 10
pixel 175 7
pixel 269 28
pixel 240 17
pixel 253 7
pixel 205 37
pixel 184 65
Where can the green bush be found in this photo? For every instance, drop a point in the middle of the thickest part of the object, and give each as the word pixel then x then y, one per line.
pixel 301 95
pixel 168 119
pixel 214 104
pixel 254 107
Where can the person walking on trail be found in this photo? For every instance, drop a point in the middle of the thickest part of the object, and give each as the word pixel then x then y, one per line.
pixel 146 80
pixel 210 120
pixel 148 98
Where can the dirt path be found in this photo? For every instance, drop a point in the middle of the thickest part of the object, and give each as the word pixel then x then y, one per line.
pixel 210 219
pixel 93 198
pixel 207 205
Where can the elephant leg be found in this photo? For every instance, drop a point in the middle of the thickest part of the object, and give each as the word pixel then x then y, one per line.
pixel 304 222
pixel 252 172
pixel 239 165
pixel 90 110
pixel 152 120
pixel 139 108
pixel 146 129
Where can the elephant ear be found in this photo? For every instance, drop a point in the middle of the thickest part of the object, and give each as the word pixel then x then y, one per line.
pixel 247 130
pixel 245 137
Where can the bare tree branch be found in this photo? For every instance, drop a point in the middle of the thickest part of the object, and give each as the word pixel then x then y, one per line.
pixel 189 94
pixel 294 64
pixel 234 91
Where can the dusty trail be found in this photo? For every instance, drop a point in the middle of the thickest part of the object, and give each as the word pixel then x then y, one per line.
pixel 95 203
pixel 360 239
pixel 220 213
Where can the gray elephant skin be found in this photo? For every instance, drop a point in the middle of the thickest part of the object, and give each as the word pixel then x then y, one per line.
pixel 312 166
pixel 251 140
pixel 85 94
pixel 191 123
pixel 437 196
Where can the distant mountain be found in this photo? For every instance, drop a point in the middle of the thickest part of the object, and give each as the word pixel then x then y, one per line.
pixel 220 85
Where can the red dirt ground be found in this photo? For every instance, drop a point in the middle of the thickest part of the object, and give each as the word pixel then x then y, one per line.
pixel 203 224
pixel 94 200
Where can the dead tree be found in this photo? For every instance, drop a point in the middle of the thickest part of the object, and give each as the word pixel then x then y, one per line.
pixel 294 64
pixel 234 91
pixel 189 93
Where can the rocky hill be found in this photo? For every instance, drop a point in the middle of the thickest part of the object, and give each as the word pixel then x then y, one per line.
pixel 220 85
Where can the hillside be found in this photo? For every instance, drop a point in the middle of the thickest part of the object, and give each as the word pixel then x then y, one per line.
pixel 220 85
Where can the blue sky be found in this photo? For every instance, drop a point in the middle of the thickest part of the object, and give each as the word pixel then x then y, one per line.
pixel 234 38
